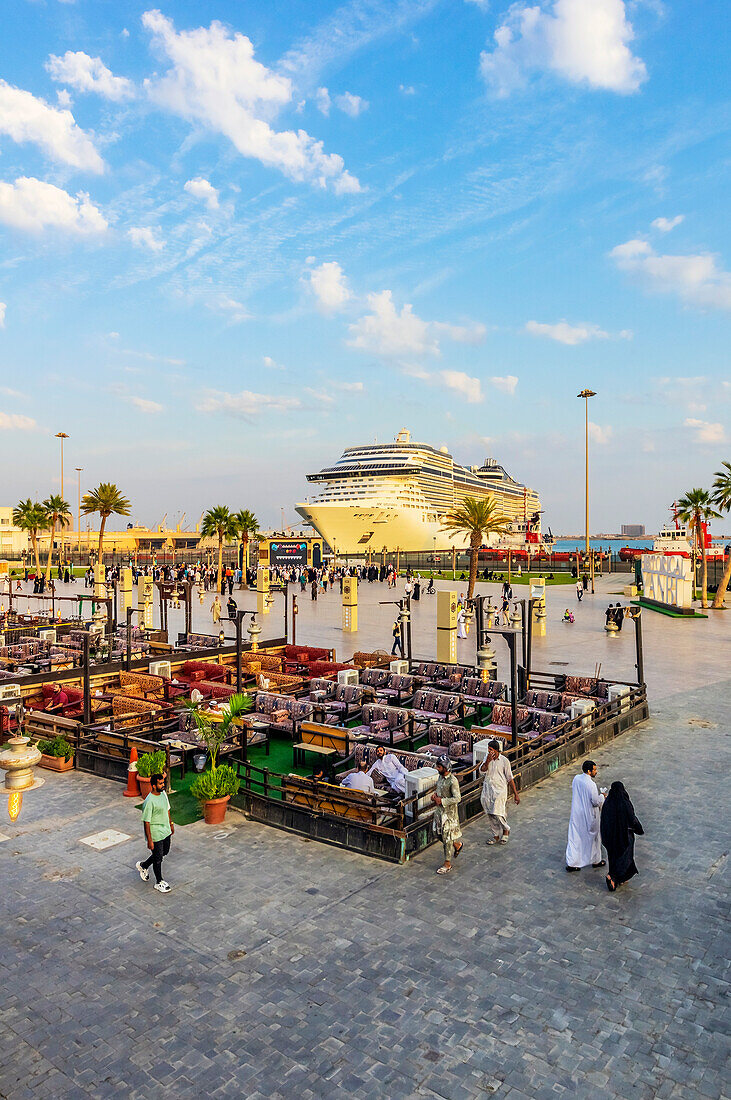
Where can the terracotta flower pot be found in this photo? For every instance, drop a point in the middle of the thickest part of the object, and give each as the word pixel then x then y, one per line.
pixel 144 785
pixel 215 810
pixel 56 763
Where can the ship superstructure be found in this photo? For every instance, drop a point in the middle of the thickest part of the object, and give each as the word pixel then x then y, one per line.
pixel 393 496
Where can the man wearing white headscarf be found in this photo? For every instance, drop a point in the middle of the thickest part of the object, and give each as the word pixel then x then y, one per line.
pixel 584 845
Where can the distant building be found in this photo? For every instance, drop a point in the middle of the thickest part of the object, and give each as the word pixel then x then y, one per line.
pixel 633 530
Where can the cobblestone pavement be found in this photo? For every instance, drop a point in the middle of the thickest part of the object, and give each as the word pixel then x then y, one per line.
pixel 279 967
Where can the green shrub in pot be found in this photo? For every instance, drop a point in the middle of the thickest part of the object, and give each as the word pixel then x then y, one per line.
pixel 56 746
pixel 151 763
pixel 214 784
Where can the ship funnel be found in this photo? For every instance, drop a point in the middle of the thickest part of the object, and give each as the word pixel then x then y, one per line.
pixel 403 436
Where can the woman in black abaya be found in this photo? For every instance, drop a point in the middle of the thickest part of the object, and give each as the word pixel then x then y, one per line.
pixel 618 826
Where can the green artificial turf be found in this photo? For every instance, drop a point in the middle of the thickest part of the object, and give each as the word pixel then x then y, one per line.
pixel 668 610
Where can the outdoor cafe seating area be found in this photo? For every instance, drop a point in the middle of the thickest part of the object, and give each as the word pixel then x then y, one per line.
pixel 323 715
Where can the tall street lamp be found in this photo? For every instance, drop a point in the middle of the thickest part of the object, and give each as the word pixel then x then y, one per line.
pixel 78 515
pixel 586 394
pixel 61 436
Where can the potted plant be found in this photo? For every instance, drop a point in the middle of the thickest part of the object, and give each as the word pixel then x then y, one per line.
pixel 150 763
pixel 214 788
pixel 56 754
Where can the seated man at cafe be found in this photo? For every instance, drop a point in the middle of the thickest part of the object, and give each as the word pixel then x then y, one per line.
pixel 59 697
pixel 359 780
pixel 392 770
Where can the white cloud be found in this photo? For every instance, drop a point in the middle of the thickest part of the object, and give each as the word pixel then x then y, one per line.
pixel 407 89
pixel 63 97
pixel 321 396
pixel 237 311
pixel 15 422
pixel 329 285
pixel 483 5
pixel 3 308
pixel 506 384
pixel 248 405
pixel 144 405
pixel 583 41
pixel 349 387
pixel 461 334
pixel 33 205
pixel 565 333
pixel 694 278
pixel 200 188
pixel 664 225
pixel 350 104
pixel 461 383
pixel 271 364
pixel 23 117
pixel 323 101
pixel 145 237
pixel 215 80
pixel 388 332
pixel 706 432
pixel 88 74
pixel 600 435
pixel 391 333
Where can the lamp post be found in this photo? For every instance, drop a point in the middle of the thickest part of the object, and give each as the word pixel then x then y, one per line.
pixel 78 514
pixel 586 394
pixel 61 436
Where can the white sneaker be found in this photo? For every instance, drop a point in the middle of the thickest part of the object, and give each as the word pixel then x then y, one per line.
pixel 144 873
pixel 163 887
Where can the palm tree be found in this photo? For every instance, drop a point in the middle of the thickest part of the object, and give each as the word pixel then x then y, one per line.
pixel 58 512
pixel 107 500
pixel 721 497
pixel 695 508
pixel 219 522
pixel 247 525
pixel 31 517
pixel 477 519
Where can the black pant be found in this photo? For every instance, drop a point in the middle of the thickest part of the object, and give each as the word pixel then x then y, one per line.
pixel 160 849
pixel 397 645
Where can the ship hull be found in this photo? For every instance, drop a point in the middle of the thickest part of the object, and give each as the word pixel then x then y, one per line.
pixel 361 530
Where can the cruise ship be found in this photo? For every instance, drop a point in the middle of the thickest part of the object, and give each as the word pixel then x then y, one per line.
pixel 393 496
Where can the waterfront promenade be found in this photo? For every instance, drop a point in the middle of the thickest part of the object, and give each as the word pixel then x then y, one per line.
pixel 279 967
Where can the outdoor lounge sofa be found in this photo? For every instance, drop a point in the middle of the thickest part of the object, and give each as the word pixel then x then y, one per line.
pixel 282 713
pixel 437 706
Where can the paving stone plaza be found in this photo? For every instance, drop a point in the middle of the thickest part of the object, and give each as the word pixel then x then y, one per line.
pixel 280 967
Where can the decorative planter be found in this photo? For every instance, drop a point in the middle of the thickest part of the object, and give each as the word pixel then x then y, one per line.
pixel 144 785
pixel 215 810
pixel 56 763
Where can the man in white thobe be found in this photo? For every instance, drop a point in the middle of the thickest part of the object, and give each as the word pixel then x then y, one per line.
pixel 391 769
pixel 494 798
pixel 359 780
pixel 584 843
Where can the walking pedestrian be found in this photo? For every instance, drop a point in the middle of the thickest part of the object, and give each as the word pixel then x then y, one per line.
pixel 584 845
pixel 619 826
pixel 494 798
pixel 446 798
pixel 579 591
pixel 159 829
pixel 397 643
pixel 216 609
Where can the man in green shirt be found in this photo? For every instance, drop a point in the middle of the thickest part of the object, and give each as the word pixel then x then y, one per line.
pixel 158 830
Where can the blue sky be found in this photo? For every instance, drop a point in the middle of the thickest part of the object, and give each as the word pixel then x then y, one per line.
pixel 238 237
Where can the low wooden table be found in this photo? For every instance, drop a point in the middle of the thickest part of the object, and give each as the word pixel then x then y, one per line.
pixel 299 750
